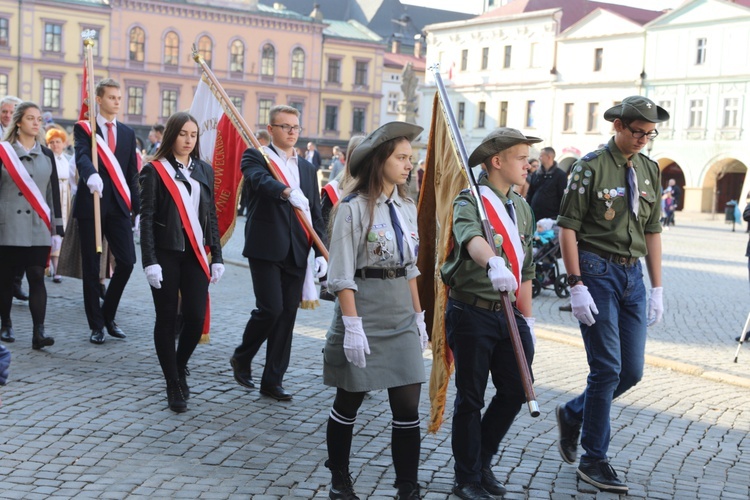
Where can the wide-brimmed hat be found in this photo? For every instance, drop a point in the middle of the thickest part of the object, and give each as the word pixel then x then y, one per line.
pixel 387 132
pixel 637 107
pixel 499 139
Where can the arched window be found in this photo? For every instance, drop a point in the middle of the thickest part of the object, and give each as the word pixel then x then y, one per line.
pixel 237 57
pixel 171 49
pixel 205 49
pixel 298 64
pixel 268 60
pixel 137 44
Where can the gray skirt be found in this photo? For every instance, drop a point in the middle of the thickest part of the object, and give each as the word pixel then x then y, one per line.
pixel 395 358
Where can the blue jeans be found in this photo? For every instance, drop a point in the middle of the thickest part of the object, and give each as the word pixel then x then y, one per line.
pixel 615 347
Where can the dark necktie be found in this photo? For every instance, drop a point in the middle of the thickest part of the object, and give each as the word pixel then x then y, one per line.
pixel 633 189
pixel 397 229
pixel 511 210
pixel 111 136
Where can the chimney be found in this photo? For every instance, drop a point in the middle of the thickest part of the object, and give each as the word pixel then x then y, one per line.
pixel 316 13
pixel 418 49
pixel 396 46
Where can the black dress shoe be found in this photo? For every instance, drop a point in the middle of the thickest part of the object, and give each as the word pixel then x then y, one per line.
pixel 600 474
pixel 736 339
pixel 6 334
pixel 276 392
pixel 471 491
pixel 567 443
pixel 19 293
pixel 491 484
pixel 243 377
pixel 113 330
pixel 97 336
pixel 39 340
pixel 567 307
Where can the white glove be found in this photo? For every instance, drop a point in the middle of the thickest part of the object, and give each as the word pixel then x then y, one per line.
pixel 55 243
pixel 95 184
pixel 530 322
pixel 501 277
pixel 422 327
pixel 321 267
pixel 583 304
pixel 298 200
pixel 655 306
pixel 217 271
pixel 355 341
pixel 153 275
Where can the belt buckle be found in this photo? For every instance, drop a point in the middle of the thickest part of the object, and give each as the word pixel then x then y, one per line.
pixel 390 273
pixel 496 306
pixel 623 261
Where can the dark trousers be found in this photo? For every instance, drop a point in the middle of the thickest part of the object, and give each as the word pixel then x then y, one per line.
pixel 481 346
pixel 119 233
pixel 183 277
pixel 32 261
pixel 278 292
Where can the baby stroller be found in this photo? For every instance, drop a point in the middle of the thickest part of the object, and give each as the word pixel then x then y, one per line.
pixel 546 255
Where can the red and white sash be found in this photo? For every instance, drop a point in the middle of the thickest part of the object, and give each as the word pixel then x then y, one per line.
pixel 111 164
pixel 505 227
pixel 281 168
pixel 188 216
pixel 332 190
pixel 23 180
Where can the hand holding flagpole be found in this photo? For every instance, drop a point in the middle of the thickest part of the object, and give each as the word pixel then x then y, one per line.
pixel 88 111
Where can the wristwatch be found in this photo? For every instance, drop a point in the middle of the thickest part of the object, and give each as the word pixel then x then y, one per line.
pixel 574 279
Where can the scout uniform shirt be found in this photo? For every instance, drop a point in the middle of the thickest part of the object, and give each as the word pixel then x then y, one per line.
pixel 460 272
pixel 595 204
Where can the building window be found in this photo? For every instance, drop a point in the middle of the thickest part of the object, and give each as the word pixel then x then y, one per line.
pixel 334 71
pixel 506 56
pixel 503 115
pixel 700 55
pixel 135 101
pixel 4 84
pixel 95 47
pixel 171 49
pixel 667 105
pixel 332 118
pixel 237 101
pixel 530 113
pixel 237 57
pixel 482 114
pixel 568 118
pixel 360 73
pixel 464 59
pixel 264 111
pixel 4 32
pixel 592 121
pixel 485 57
pixel 168 103
pixel 137 45
pixel 731 112
pixel 358 120
pixel 51 93
pixel 299 106
pixel 52 37
pixel 696 113
pixel 298 64
pixel 461 114
pixel 268 60
pixel 393 98
pixel 598 54
pixel 206 49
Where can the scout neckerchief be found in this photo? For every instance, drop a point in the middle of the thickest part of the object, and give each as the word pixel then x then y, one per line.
pixel 505 227
pixel 111 164
pixel 23 180
pixel 188 217
pixel 411 245
pixel 632 179
pixel 332 190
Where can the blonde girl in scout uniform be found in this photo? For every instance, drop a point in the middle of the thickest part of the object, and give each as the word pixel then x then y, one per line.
pixel 610 219
pixel 378 334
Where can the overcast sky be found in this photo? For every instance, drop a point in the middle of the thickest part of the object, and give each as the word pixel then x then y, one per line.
pixel 475 6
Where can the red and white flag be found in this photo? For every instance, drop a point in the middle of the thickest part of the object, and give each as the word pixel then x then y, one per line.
pixel 84 115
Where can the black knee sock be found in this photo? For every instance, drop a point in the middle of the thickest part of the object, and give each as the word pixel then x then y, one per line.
pixel 405 447
pixel 339 438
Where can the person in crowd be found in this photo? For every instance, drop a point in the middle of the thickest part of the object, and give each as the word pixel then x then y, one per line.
pixel 337 163
pixel 155 137
pixel 609 219
pixel 56 141
pixel 277 248
pixel 546 186
pixel 178 221
pixel 523 189
pixel 676 194
pixel 31 217
pixel 116 185
pixel 373 254
pixel 312 155
pixel 475 324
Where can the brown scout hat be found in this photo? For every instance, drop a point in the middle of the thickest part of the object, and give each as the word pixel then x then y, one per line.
pixel 637 108
pixel 498 140
pixel 387 132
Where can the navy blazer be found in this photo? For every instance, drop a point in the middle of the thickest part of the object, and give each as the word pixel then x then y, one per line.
pixel 272 228
pixel 125 152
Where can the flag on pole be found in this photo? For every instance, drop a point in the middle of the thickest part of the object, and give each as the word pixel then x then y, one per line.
pixel 84 114
pixel 221 146
pixel 443 179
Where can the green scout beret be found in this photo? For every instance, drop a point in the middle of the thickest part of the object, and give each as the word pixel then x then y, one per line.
pixel 499 139
pixel 387 132
pixel 637 108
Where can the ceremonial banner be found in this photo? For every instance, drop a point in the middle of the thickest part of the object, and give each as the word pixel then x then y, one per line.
pixel 222 147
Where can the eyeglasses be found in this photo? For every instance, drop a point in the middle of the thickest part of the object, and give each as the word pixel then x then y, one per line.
pixel 638 135
pixel 288 128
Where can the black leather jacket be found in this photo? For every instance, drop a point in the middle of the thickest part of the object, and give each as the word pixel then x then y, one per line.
pixel 161 226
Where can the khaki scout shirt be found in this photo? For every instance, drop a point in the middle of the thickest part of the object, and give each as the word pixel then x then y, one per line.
pixel 600 177
pixel 460 272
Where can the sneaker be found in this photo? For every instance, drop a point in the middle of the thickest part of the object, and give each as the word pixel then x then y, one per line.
pixel 600 474
pixel 569 432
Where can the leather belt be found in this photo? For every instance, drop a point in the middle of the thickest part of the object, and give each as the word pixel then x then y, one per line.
pixel 383 273
pixel 622 260
pixel 475 301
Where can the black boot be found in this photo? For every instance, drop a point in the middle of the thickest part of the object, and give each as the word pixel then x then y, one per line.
pixel 38 340
pixel 183 373
pixel 407 491
pixel 6 334
pixel 342 486
pixel 175 398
